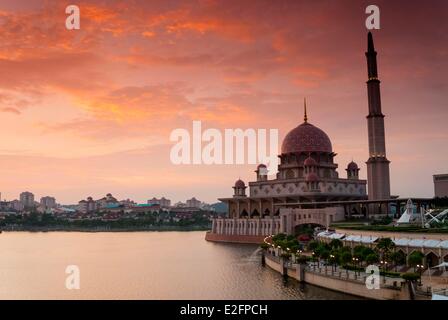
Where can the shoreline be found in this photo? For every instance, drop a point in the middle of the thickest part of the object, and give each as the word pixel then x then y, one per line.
pixel 97 230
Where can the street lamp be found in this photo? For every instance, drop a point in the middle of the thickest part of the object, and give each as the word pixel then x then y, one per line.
pixel 420 269
pixel 356 264
pixel 332 257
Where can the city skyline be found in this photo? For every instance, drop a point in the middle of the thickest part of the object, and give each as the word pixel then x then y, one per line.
pixel 90 111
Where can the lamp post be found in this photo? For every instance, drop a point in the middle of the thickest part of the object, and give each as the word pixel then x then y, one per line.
pixel 420 268
pixel 333 259
pixel 355 261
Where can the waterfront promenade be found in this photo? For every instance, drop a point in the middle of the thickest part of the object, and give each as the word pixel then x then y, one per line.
pixel 342 280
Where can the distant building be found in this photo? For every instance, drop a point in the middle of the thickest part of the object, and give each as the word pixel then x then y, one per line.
pixel 163 202
pixel 153 208
pixel 16 205
pixel 107 201
pixel 440 185
pixel 179 204
pixel 27 200
pixel 48 202
pixel 127 203
pixel 88 205
pixel 193 203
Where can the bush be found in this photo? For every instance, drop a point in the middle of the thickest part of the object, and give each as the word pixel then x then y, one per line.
pixel 410 276
pixel 391 274
pixel 286 255
pixel 264 246
pixel 352 267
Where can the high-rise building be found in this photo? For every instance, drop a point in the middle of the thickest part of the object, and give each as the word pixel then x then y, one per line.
pixel 27 200
pixel 193 203
pixel 378 180
pixel 163 202
pixel 48 202
pixel 440 185
pixel 88 205
pixel 16 205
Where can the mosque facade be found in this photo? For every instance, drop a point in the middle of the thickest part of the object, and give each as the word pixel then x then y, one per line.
pixel 308 188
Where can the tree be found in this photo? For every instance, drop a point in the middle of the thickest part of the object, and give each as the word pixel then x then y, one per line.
pixel 415 258
pixel 385 246
pixel 336 244
pixel 372 258
pixel 321 251
pixel 312 245
pixel 345 258
pixel 359 253
pixel 325 254
pixel 397 258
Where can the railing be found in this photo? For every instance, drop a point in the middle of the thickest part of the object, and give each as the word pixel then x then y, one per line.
pixel 361 277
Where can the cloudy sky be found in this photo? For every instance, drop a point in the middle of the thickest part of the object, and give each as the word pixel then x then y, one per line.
pixel 86 112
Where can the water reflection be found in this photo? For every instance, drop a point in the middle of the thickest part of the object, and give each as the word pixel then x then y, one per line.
pixel 140 265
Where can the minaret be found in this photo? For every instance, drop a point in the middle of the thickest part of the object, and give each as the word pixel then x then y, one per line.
pixel 378 180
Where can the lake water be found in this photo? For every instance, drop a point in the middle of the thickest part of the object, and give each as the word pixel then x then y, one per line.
pixel 139 265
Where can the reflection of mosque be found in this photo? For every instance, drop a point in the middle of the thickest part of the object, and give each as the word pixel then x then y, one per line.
pixel 307 188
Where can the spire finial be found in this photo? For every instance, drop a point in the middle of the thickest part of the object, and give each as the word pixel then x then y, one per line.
pixel 305 117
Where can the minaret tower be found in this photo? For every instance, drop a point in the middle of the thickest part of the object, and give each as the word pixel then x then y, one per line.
pixel 378 180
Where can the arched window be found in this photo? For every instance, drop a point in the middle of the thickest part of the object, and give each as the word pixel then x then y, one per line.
pixel 255 213
pixel 267 212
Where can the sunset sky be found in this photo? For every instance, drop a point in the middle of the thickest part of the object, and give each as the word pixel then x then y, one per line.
pixel 87 112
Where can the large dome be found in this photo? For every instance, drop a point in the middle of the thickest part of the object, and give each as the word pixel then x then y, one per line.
pixel 306 138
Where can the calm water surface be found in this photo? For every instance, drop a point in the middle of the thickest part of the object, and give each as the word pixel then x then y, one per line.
pixel 139 265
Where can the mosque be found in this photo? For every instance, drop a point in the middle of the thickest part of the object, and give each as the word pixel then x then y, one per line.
pixel 308 189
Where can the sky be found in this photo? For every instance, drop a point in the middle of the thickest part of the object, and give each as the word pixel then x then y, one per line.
pixel 88 112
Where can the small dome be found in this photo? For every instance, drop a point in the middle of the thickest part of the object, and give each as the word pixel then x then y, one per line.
pixel 240 184
pixel 352 166
pixel 261 165
pixel 311 177
pixel 310 162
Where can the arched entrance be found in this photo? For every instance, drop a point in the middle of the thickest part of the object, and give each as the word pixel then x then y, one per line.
pixel 266 213
pixel 255 213
pixel 432 259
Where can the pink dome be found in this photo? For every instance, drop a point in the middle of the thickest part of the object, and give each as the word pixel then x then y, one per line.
pixel 352 166
pixel 240 184
pixel 306 138
pixel 312 177
pixel 310 162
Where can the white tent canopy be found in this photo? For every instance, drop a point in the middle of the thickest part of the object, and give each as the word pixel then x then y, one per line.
pixel 442 265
